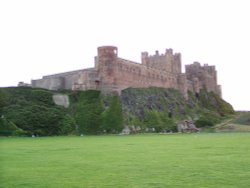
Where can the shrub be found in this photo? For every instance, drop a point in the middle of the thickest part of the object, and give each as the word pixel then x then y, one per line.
pixel 42 97
pixel 159 120
pixel 207 120
pixel 8 128
pixel 36 119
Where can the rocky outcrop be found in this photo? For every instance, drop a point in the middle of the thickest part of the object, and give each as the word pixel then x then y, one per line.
pixel 186 126
pixel 141 105
pixel 61 100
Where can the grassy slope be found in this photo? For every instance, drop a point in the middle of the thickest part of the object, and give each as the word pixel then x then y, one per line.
pixel 240 122
pixel 189 160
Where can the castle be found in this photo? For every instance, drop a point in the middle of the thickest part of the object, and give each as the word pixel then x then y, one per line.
pixel 113 74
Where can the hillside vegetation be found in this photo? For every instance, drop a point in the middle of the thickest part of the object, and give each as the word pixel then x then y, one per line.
pixel 161 108
pixel 30 111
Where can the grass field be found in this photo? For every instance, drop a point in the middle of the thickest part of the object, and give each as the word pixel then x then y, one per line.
pixel 178 160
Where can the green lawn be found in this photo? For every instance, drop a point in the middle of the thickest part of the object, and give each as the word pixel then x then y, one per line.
pixel 178 160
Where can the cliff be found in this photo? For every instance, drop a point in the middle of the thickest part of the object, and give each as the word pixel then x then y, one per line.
pixel 27 111
pixel 140 106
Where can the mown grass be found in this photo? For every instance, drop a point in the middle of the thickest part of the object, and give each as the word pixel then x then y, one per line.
pixel 178 160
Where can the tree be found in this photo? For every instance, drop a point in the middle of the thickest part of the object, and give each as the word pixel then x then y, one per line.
pixel 2 101
pixel 87 110
pixel 67 125
pixel 112 117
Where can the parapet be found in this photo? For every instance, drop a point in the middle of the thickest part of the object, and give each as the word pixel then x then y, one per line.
pixel 168 52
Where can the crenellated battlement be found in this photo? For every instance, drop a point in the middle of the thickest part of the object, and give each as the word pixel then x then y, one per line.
pixel 168 61
pixel 203 76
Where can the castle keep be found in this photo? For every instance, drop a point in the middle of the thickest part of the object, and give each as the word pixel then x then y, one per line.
pixel 113 74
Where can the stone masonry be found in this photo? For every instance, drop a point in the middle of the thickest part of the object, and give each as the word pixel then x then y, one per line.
pixel 113 74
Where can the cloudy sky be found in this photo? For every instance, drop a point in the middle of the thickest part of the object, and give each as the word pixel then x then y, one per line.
pixel 41 37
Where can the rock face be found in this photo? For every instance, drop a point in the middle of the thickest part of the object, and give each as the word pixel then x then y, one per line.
pixel 61 100
pixel 158 106
pixel 114 74
pixel 138 101
pixel 186 126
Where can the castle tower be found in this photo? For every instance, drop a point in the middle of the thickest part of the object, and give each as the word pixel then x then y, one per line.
pixel 107 51
pixel 106 65
pixel 176 67
pixel 182 84
pixel 203 77
pixel 144 58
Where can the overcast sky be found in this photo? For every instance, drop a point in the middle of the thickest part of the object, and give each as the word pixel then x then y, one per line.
pixel 41 37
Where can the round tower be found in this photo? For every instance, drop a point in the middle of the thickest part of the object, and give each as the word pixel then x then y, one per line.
pixel 107 51
pixel 105 56
pixel 106 66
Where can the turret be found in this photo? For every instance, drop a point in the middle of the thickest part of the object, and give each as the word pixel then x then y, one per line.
pixel 107 52
pixel 106 67
pixel 144 58
pixel 177 63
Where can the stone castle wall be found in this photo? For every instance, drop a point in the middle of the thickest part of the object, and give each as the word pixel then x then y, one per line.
pixel 117 73
pixel 58 81
pixel 112 73
pixel 203 77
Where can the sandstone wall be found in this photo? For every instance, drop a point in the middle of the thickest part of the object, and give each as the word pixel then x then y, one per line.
pixel 203 77
pixel 120 74
pixel 87 79
pixel 168 62
pixel 57 81
pixel 49 83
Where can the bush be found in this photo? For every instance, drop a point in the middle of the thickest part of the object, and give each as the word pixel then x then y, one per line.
pixel 204 122
pixel 36 119
pixel 207 120
pixel 8 128
pixel 42 97
pixel 159 120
